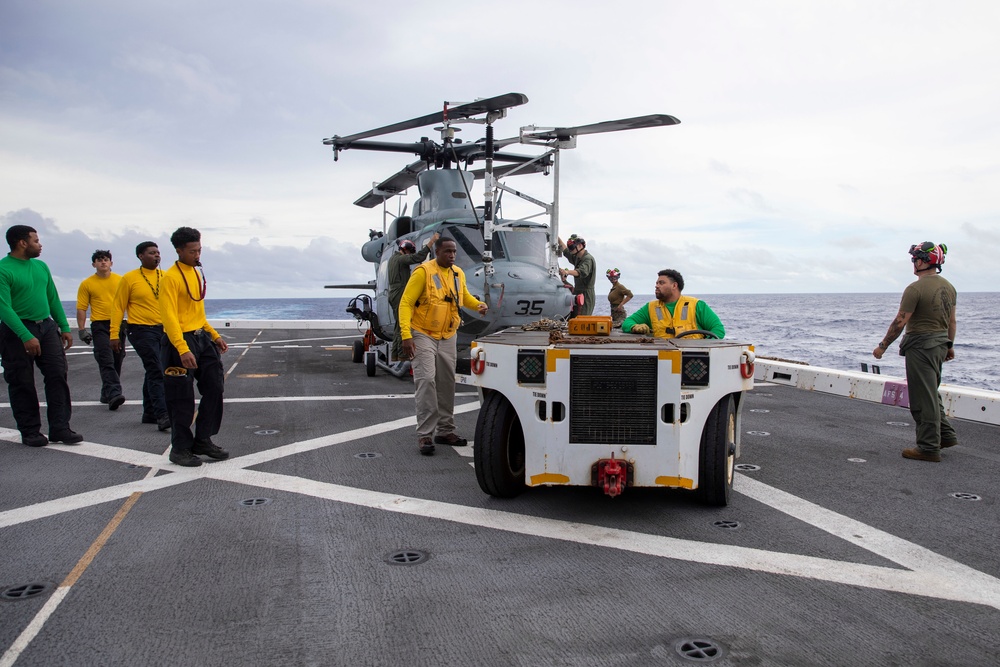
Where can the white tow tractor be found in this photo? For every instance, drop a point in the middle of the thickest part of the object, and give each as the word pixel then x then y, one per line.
pixel 616 413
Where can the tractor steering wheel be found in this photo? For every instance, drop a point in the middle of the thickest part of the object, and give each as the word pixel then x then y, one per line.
pixel 694 332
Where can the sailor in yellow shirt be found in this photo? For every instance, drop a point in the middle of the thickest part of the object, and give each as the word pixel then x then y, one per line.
pixel 190 351
pixel 97 293
pixel 139 295
pixel 428 322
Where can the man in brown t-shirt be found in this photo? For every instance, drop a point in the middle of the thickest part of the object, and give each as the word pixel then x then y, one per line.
pixel 927 311
pixel 618 297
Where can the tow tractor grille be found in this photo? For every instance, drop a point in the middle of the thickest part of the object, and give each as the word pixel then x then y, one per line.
pixel 612 400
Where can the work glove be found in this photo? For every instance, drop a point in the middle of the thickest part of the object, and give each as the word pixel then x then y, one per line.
pixel 641 329
pixel 86 336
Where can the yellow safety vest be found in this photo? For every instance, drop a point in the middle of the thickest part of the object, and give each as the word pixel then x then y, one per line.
pixel 436 312
pixel 684 319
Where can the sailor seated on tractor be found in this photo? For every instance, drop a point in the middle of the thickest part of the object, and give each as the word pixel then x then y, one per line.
pixel 672 314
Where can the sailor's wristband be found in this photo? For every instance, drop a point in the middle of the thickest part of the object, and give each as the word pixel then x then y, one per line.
pixel 951 344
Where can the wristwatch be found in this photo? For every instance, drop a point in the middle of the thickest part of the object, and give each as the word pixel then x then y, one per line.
pixel 951 344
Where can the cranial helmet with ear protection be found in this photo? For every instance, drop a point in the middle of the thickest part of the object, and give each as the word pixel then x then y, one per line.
pixel 929 252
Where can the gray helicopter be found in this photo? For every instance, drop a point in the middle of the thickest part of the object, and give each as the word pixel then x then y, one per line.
pixel 511 264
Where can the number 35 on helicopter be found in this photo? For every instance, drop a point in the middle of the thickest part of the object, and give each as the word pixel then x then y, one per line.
pixel 510 263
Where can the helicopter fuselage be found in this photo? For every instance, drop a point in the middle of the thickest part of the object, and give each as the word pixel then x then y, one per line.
pixel 521 287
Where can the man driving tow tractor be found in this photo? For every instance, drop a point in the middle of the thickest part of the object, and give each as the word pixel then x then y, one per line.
pixel 672 314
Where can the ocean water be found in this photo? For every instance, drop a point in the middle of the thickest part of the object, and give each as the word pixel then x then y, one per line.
pixel 831 330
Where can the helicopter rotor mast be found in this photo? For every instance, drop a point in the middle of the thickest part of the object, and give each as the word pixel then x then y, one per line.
pixel 489 210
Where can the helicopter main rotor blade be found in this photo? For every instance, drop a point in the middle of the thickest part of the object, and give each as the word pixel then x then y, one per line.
pixel 639 122
pixel 455 113
pixel 392 186
pixel 502 171
pixel 422 148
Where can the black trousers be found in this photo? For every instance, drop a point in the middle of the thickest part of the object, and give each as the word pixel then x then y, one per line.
pixel 145 339
pixel 108 361
pixel 179 389
pixel 19 372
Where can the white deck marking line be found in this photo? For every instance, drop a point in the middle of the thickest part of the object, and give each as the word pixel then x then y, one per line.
pixel 264 343
pixel 33 627
pixel 178 475
pixel 56 506
pixel 253 399
pixel 984 590
pixel 931 575
pixel 36 624
pixel 243 353
pixel 293 399
pixel 268 455
pixel 871 539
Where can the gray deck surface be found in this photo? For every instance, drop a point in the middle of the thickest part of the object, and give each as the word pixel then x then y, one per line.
pixel 845 553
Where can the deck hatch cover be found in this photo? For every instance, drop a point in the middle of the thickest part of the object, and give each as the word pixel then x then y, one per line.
pixel 24 591
pixel 698 649
pixel 407 557
pixel 612 399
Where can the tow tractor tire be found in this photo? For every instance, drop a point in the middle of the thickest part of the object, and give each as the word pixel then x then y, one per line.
pixel 717 460
pixel 370 359
pixel 358 351
pixel 499 448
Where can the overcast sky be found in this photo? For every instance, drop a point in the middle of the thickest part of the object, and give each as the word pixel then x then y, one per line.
pixel 818 140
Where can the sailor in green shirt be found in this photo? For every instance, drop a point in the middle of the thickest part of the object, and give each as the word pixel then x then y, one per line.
pixel 672 313
pixel 29 335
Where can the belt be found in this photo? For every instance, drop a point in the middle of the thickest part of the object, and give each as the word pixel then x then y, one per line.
pixel 148 326
pixel 44 319
pixel 195 332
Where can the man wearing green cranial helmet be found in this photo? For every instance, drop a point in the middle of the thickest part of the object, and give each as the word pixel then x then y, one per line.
pixel 927 313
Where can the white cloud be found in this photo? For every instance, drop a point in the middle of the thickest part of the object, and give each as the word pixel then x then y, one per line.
pixel 188 79
pixel 860 127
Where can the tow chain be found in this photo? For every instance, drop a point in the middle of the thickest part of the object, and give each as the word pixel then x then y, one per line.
pixel 545 324
pixel 560 337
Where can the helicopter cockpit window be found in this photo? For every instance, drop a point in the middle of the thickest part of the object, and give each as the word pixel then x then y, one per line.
pixel 470 245
pixel 522 245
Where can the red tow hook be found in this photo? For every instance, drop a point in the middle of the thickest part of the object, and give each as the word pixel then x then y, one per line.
pixel 611 475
